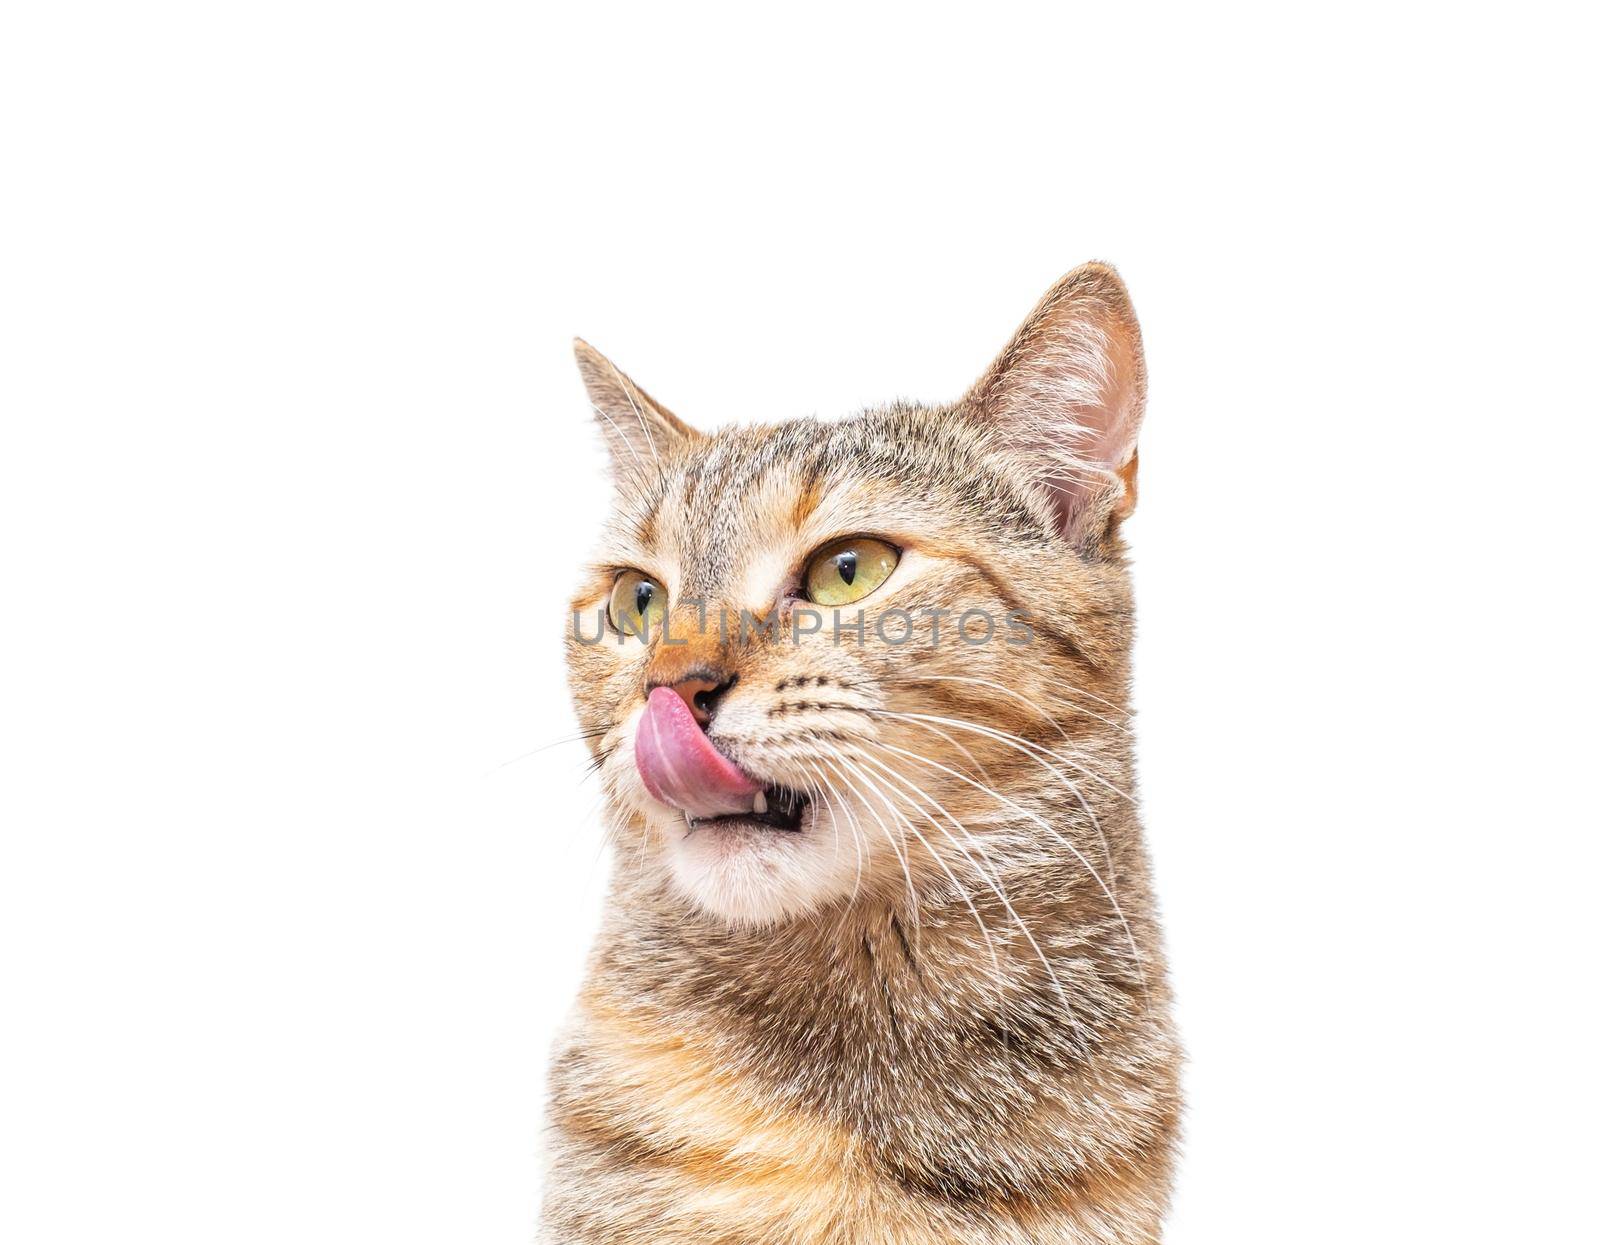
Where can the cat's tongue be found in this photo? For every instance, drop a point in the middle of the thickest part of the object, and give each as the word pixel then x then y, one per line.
pixel 681 768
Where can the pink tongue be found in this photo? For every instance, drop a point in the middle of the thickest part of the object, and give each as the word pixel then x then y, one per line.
pixel 680 767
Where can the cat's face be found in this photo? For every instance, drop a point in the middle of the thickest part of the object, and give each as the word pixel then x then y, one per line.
pixel 820 661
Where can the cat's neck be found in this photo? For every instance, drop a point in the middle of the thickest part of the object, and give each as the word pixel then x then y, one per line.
pixel 881 980
pixel 1012 1055
pixel 960 1058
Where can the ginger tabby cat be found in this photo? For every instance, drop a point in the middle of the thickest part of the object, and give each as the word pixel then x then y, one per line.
pixel 880 962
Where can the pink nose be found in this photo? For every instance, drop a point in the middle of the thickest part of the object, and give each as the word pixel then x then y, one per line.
pixel 697 693
pixel 681 767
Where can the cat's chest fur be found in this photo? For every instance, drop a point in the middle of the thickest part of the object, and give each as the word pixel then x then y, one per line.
pixel 876 1083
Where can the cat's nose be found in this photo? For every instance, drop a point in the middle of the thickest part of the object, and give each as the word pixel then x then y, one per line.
pixel 700 690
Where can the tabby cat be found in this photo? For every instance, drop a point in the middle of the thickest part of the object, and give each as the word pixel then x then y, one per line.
pixel 879 962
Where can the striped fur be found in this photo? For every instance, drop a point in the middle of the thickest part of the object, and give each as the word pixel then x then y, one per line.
pixel 939 1013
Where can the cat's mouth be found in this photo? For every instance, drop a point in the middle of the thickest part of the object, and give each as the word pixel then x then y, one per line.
pixel 681 767
pixel 775 808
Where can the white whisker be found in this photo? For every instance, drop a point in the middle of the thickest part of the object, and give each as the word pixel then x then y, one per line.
pixel 1111 898
pixel 911 890
pixel 994 884
pixel 1015 695
pixel 1027 748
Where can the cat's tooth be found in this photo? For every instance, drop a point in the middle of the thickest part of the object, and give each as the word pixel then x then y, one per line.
pixel 759 805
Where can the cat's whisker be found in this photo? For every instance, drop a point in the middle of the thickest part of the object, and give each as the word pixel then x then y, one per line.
pixel 1027 748
pixel 1013 742
pixel 958 746
pixel 1111 865
pixel 1133 945
pixel 1123 710
pixel 834 812
pixel 840 762
pixel 1015 695
pixel 814 790
pixel 1038 749
pixel 855 829
pixel 994 884
pixel 596 764
pixel 913 904
pixel 580 737
pixel 644 840
pixel 990 879
pixel 814 793
pixel 939 860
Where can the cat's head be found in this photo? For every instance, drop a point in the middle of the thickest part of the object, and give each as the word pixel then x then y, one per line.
pixel 822 662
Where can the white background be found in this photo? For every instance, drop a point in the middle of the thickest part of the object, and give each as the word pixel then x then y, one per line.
pixel 296 471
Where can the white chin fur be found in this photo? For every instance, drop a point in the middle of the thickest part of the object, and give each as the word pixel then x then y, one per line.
pixel 758 877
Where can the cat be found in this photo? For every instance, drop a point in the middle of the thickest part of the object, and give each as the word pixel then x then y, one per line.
pixel 879 961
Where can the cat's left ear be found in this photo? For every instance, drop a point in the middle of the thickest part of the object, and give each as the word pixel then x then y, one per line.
pixel 1066 398
pixel 637 429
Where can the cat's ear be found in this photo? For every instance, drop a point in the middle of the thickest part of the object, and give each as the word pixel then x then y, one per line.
pixel 1066 398
pixel 637 429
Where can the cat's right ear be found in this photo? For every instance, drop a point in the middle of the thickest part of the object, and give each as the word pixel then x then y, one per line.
pixel 637 429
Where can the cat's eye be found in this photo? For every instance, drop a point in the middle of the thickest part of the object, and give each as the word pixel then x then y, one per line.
pixel 637 604
pixel 847 570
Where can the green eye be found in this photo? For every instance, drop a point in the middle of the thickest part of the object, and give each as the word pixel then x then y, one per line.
pixel 637 604
pixel 847 570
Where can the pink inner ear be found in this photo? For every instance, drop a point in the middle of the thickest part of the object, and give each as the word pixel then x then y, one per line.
pixel 1097 429
pixel 1067 395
